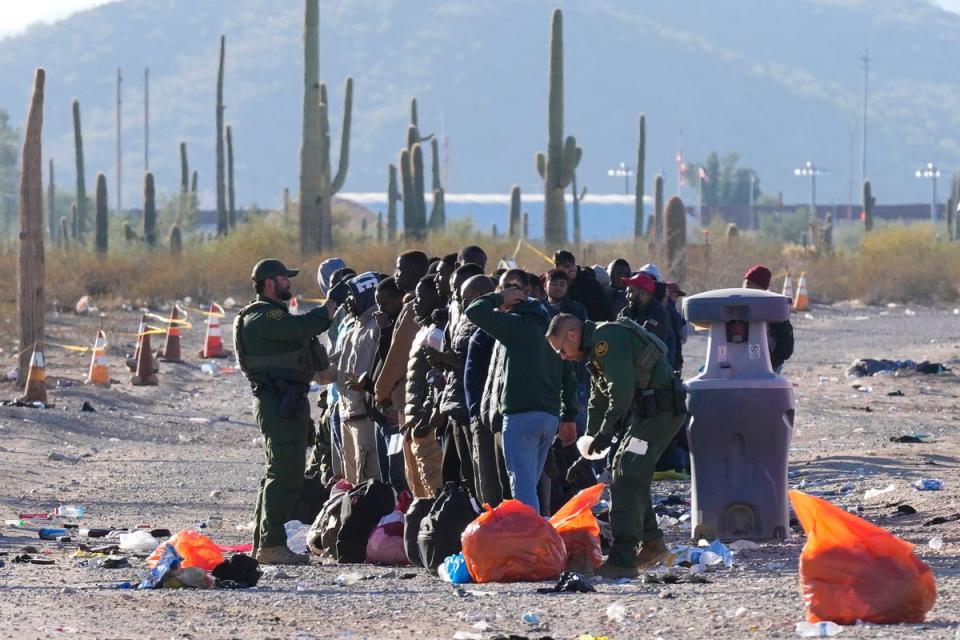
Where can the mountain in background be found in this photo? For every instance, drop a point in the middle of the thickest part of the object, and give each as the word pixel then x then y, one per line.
pixel 777 81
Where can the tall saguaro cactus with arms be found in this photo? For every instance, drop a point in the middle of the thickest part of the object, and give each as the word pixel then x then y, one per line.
pixel 330 184
pixel 556 167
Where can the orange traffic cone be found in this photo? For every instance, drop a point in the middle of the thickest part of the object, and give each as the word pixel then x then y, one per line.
pixel 213 347
pixel 293 306
pixel 99 375
pixel 133 363
pixel 788 287
pixel 171 347
pixel 36 387
pixel 802 303
pixel 145 374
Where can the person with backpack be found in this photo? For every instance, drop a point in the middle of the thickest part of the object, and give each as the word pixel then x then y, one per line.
pixel 538 393
pixel 635 397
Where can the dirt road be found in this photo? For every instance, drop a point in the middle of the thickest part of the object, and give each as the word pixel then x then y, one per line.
pixel 156 455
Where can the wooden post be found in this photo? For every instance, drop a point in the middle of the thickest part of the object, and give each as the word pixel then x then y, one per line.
pixel 30 258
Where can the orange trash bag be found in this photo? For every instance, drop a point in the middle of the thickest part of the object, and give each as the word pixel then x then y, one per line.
pixel 512 543
pixel 196 549
pixel 852 570
pixel 578 527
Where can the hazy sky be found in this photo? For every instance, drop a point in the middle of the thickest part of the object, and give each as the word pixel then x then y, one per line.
pixel 17 16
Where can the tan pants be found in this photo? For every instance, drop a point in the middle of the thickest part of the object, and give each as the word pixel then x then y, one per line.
pixel 423 464
pixel 360 459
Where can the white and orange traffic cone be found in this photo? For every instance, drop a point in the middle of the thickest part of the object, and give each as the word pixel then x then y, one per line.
pixel 171 347
pixel 36 387
pixel 132 362
pixel 802 303
pixel 213 346
pixel 145 375
pixel 293 306
pixel 788 286
pixel 99 374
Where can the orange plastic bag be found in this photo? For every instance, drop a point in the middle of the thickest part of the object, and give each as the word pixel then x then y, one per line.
pixel 196 549
pixel 852 570
pixel 512 543
pixel 578 527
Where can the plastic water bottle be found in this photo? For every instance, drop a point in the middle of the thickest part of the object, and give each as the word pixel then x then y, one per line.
pixel 929 484
pixel 818 629
pixel 52 533
pixel 69 511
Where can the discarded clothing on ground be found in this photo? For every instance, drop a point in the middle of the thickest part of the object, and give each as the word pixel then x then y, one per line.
pixel 570 582
pixel 869 366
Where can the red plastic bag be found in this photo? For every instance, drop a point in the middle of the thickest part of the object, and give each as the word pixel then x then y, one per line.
pixel 512 543
pixel 385 544
pixel 852 570
pixel 578 527
pixel 196 549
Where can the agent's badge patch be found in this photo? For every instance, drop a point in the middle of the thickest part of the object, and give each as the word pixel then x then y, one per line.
pixel 276 314
pixel 601 348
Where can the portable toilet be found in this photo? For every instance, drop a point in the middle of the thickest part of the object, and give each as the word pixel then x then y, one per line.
pixel 741 419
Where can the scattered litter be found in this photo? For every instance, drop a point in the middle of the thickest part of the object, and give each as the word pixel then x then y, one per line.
pixel 69 511
pixel 86 407
pixel 617 612
pixel 743 545
pixel 454 570
pixel 139 541
pixel 216 494
pixel 942 520
pixel 467 635
pixel 928 484
pixel 570 582
pixel 935 543
pixel 51 533
pixel 56 456
pixel 296 536
pixel 818 629
pixel 210 368
pixel 906 510
pixel 870 366
pixel 12 374
pixel 873 493
pixel 347 579
pixel 907 439
pixel 896 393
pixel 530 618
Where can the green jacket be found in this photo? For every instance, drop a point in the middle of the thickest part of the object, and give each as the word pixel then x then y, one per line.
pixel 615 365
pixel 534 376
pixel 267 329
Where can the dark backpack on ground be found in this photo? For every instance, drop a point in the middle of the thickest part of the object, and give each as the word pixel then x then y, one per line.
pixel 360 512
pixel 418 510
pixel 440 530
pixel 313 495
pixel 322 537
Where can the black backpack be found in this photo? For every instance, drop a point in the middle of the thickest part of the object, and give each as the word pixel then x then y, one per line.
pixel 360 512
pixel 440 530
pixel 322 537
pixel 313 495
pixel 418 510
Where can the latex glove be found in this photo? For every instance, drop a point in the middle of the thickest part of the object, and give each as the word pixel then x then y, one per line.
pixel 601 442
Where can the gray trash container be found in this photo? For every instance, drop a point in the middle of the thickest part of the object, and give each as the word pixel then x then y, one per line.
pixel 741 419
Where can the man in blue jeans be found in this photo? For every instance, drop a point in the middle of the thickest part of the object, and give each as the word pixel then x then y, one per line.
pixel 539 395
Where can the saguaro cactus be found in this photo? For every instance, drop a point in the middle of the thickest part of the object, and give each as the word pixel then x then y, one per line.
pixel 514 228
pixel 379 227
pixel 641 163
pixel 658 209
pixel 102 226
pixel 75 222
pixel 406 183
pixel 438 214
pixel 331 184
pixel 149 210
pixel 64 232
pixel 311 139
pixel 231 194
pixel 223 220
pixel 393 197
pixel 577 198
pixel 82 202
pixel 51 206
pixel 556 167
pixel 184 208
pixel 868 202
pixel 676 232
pixel 30 255
pixel 176 240
pixel 418 202
pixel 526 225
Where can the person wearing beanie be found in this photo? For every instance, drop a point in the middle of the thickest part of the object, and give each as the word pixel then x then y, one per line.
pixel 779 334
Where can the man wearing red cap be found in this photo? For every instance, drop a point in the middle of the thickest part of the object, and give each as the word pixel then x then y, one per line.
pixel 644 309
pixel 779 334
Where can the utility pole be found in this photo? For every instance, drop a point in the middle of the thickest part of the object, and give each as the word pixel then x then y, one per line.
pixel 146 119
pixel 850 178
pixel 863 141
pixel 119 140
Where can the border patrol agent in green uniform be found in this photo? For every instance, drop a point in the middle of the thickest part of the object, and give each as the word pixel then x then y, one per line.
pixel 279 355
pixel 634 396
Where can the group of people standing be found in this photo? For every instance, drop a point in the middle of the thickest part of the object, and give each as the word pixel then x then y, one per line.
pixel 447 371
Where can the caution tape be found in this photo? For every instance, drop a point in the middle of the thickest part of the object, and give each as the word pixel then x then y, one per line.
pixel 215 314
pixel 538 252
pixel 314 300
pixel 183 323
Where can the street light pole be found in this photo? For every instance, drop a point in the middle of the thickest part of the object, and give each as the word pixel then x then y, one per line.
pixel 622 171
pixel 808 169
pixel 932 172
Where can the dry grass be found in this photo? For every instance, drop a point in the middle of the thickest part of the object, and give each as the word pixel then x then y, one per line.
pixel 892 264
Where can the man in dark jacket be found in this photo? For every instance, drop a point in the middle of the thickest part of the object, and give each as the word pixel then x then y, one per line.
pixel 539 388
pixel 583 288
pixel 779 334
pixel 644 309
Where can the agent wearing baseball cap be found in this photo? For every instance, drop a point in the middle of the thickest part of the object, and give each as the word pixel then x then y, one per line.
pixel 779 334
pixel 644 309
